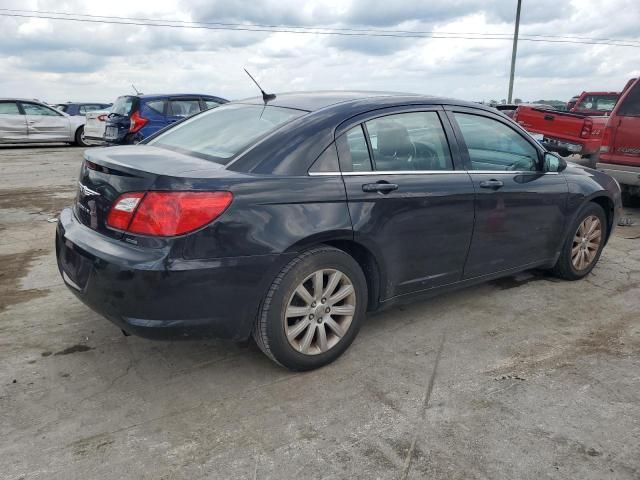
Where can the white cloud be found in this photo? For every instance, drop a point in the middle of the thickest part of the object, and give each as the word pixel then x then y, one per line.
pixel 63 60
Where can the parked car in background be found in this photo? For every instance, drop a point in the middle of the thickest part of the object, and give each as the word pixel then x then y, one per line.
pixel 288 220
pixel 74 108
pixel 563 132
pixel 95 125
pixel 620 149
pixel 135 117
pixel 30 121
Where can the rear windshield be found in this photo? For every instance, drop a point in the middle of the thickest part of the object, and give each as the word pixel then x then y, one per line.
pixel 122 106
pixel 223 132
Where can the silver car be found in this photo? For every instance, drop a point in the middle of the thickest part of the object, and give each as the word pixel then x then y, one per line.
pixel 30 121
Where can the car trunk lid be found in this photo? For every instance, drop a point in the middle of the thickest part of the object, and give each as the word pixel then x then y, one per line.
pixel 109 172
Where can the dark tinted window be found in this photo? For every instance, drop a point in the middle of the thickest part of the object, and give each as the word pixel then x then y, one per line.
pixel 630 106
pixel 353 147
pixel 220 133
pixel 157 105
pixel 123 106
pixel 184 108
pixel 494 146
pixel 409 141
pixel 327 161
pixel 9 108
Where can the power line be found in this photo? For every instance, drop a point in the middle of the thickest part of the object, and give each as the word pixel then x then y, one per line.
pixel 326 32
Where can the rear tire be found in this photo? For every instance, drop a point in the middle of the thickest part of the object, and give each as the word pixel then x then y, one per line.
pixel 582 247
pixel 80 141
pixel 313 309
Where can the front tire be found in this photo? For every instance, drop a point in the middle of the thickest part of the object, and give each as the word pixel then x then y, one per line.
pixel 80 141
pixel 313 310
pixel 583 246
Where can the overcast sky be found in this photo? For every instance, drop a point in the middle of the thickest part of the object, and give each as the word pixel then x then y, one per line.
pixel 58 61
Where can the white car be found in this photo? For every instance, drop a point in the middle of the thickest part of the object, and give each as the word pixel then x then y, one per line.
pixel 95 125
pixel 31 121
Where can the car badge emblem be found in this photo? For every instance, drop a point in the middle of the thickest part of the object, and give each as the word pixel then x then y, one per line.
pixel 86 191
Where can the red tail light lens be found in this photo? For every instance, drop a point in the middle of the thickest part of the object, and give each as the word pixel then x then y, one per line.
pixel 137 122
pixel 165 214
pixel 102 118
pixel 586 128
pixel 606 139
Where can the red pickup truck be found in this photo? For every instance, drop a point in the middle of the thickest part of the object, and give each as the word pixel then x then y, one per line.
pixel 563 132
pixel 620 149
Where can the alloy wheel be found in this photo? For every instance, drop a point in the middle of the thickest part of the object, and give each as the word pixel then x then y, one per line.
pixel 586 242
pixel 320 311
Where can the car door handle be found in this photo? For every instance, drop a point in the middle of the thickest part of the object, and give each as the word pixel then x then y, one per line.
pixel 380 187
pixel 493 183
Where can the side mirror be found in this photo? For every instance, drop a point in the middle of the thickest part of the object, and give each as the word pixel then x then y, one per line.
pixel 554 162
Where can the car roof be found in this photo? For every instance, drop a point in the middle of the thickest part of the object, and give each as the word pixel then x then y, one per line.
pixel 162 95
pixel 13 99
pixel 312 101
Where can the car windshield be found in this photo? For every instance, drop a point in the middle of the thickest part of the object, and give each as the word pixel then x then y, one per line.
pixel 223 132
pixel 122 106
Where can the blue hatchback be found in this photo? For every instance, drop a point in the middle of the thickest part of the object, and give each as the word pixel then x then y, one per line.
pixel 135 117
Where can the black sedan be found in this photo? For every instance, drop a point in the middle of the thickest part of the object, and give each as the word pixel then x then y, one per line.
pixel 289 220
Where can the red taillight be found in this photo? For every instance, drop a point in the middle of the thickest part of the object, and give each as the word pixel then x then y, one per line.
pixel 102 118
pixel 137 122
pixel 606 139
pixel 586 128
pixel 166 214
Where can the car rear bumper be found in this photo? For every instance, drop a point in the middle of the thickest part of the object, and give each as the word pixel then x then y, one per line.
pixel 149 293
pixel 624 174
pixel 557 145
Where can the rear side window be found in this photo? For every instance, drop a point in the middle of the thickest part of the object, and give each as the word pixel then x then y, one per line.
pixel 157 105
pixel 123 106
pixel 630 106
pixel 9 108
pixel 184 108
pixel 353 150
pixel 41 110
pixel 409 141
pixel 221 133
pixel 210 104
pixel 494 146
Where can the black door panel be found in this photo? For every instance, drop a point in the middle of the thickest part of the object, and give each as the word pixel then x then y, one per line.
pixel 519 209
pixel 517 224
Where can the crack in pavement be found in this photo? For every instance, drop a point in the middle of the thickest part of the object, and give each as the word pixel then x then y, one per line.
pixel 422 410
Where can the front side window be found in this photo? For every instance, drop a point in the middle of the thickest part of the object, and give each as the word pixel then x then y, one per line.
pixel 9 108
pixel 183 108
pixel 494 146
pixel 409 141
pixel 221 133
pixel 34 109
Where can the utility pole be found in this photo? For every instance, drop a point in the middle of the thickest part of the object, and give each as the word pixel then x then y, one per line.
pixel 514 51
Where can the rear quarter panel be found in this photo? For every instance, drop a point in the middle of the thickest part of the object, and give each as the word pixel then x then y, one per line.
pixel 272 215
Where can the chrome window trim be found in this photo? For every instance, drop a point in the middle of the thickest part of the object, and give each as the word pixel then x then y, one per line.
pixel 427 172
